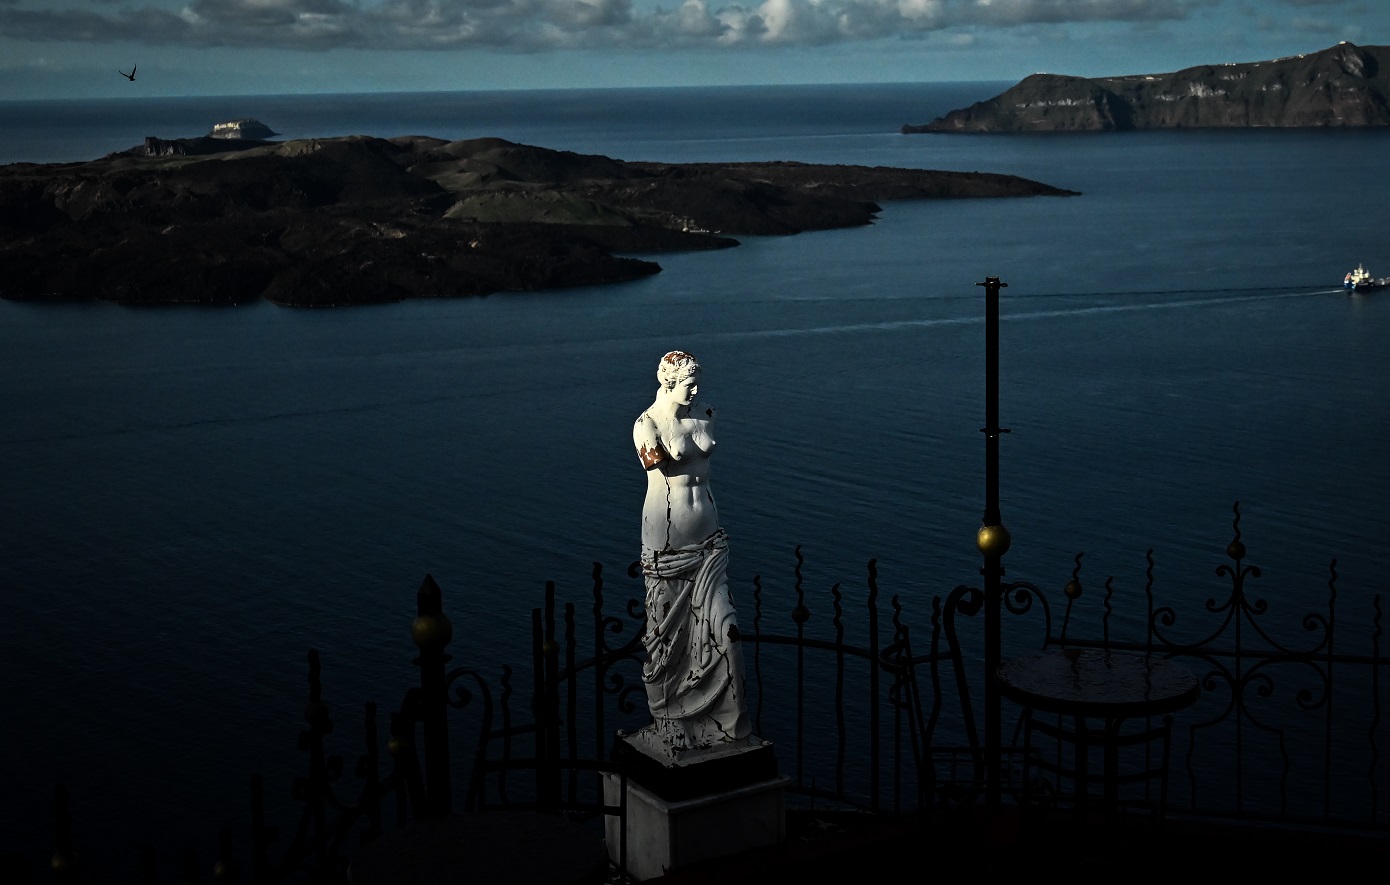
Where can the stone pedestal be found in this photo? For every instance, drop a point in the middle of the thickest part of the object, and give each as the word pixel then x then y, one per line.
pixel 696 806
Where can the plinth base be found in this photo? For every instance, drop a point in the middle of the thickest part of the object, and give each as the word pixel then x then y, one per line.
pixel 702 805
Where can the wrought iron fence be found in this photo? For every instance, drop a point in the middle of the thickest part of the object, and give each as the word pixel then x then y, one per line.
pixel 853 742
pixel 864 714
pixel 1288 728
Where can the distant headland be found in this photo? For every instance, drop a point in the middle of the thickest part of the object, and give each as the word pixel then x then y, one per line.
pixel 1343 86
pixel 357 220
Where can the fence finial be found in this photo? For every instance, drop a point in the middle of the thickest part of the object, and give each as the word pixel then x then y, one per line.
pixel 431 630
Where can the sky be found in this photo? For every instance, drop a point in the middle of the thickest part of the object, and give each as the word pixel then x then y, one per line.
pixel 80 48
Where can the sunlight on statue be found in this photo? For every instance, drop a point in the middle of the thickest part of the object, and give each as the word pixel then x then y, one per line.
pixel 694 668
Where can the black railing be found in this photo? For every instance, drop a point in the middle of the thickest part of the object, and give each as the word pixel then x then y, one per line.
pixel 1284 732
pixel 592 690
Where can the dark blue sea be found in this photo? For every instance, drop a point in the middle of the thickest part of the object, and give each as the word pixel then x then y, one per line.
pixel 195 497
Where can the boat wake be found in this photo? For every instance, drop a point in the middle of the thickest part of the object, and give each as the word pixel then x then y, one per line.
pixel 1214 297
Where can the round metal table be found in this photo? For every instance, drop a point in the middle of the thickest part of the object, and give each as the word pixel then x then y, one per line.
pixel 1096 683
pixel 1112 686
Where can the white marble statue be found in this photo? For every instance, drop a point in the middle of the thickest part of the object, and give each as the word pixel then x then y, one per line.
pixel 694 668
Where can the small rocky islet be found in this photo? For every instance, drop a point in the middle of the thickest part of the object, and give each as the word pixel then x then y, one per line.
pixel 359 220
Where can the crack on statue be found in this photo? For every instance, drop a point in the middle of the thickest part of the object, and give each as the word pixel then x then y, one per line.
pixel 667 545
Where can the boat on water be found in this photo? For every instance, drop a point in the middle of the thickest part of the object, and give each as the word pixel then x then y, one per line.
pixel 1360 280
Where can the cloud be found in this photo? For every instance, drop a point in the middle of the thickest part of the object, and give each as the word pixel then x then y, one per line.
pixel 530 25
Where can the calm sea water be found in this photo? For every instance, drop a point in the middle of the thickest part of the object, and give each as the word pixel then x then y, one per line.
pixel 193 498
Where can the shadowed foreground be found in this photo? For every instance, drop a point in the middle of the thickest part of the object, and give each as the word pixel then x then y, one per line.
pixel 849 848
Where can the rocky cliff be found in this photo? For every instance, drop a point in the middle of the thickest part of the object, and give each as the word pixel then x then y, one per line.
pixel 1343 86
pixel 355 220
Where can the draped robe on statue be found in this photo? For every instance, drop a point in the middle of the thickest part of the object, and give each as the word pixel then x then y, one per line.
pixel 694 671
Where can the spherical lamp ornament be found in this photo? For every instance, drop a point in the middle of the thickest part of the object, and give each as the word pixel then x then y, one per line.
pixel 1072 589
pixel 993 540
pixel 1236 550
pixel 431 632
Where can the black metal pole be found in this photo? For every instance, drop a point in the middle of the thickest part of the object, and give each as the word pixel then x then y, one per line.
pixel 993 541
pixel 431 632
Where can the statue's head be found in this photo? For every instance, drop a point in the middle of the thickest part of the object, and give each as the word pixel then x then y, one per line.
pixel 675 367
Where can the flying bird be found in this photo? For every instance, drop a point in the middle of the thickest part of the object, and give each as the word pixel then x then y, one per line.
pixel 131 75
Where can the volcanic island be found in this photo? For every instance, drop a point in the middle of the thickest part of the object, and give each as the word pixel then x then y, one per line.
pixel 361 219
